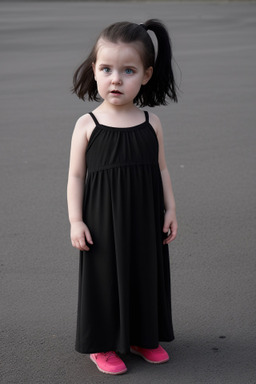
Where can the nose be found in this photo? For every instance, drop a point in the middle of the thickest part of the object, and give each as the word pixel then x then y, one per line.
pixel 116 78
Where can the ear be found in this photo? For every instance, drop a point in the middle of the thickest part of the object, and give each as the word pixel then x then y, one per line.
pixel 147 75
pixel 94 71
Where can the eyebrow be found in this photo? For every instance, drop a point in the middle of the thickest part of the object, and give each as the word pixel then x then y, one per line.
pixel 124 66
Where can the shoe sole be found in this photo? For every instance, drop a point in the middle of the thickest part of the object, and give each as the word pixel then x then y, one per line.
pixel 107 372
pixel 149 361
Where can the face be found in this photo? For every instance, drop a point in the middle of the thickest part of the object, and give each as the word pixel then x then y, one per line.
pixel 119 72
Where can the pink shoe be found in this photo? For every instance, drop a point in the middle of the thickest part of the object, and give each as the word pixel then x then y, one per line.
pixel 155 356
pixel 109 362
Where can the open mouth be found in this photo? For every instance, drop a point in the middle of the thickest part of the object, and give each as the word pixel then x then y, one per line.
pixel 116 92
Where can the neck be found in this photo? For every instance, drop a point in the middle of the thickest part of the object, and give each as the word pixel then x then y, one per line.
pixel 121 116
pixel 117 109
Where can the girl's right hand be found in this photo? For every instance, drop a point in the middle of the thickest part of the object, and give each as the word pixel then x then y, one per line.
pixel 80 235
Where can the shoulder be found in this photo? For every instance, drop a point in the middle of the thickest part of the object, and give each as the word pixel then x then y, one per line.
pixel 84 122
pixel 156 123
pixel 84 126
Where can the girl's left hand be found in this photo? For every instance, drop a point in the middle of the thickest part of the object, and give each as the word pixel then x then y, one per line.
pixel 170 226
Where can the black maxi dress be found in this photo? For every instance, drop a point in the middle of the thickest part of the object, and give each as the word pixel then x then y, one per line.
pixel 124 280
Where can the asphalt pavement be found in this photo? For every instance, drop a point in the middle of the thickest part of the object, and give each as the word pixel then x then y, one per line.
pixel 210 149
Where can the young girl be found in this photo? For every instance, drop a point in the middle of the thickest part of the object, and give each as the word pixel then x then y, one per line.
pixel 120 199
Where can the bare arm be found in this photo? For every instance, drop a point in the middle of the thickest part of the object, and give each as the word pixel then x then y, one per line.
pixel 79 231
pixel 170 221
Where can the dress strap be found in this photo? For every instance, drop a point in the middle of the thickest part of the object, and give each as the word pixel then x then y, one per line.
pixel 146 116
pixel 94 118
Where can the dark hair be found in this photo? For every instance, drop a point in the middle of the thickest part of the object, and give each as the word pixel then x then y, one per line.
pixel 162 83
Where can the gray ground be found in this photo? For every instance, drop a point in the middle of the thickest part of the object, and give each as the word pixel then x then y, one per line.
pixel 210 146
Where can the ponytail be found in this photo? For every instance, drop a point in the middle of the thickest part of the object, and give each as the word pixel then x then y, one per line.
pixel 162 83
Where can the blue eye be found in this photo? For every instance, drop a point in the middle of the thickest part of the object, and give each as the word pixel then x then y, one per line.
pixel 106 69
pixel 129 71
